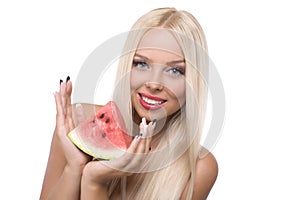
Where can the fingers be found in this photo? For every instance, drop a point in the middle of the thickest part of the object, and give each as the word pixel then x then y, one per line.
pixel 134 144
pixel 144 137
pixel 131 160
pixel 135 159
pixel 59 109
pixel 142 141
pixel 146 133
pixel 68 103
pixel 63 104
pixel 63 94
pixel 137 152
pixel 150 133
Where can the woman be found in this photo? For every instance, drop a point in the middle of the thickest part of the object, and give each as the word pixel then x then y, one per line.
pixel 161 86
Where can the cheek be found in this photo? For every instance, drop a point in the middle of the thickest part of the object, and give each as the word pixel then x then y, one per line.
pixel 135 80
pixel 177 90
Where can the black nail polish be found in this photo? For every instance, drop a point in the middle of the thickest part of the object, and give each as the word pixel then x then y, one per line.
pixel 60 82
pixel 154 121
pixel 68 78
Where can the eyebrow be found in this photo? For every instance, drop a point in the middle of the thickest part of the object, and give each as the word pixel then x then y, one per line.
pixel 168 63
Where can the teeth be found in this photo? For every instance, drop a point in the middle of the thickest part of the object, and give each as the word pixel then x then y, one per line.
pixel 151 101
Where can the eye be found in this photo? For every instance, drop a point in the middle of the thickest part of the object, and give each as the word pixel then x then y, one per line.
pixel 177 71
pixel 140 64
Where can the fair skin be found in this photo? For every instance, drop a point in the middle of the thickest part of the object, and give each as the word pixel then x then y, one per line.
pixel 157 75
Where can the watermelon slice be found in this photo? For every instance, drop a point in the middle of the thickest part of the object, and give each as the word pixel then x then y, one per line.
pixel 103 135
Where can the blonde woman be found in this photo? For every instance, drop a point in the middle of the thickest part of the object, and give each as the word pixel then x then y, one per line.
pixel 161 89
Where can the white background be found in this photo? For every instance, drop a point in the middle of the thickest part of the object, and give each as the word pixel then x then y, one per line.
pixel 254 44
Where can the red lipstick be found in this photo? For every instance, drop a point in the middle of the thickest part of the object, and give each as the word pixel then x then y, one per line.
pixel 149 96
pixel 149 106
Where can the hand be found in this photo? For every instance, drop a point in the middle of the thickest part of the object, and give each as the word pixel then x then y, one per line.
pixel 132 161
pixel 64 124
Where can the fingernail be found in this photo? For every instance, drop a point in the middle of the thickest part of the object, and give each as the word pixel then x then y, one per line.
pixel 144 121
pixel 154 121
pixel 145 129
pixel 140 135
pixel 60 82
pixel 78 106
pixel 68 78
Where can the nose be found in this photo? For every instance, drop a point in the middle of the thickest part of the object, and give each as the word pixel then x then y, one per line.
pixel 155 80
pixel 154 86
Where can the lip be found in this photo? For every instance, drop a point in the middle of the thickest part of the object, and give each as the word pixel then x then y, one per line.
pixel 152 97
pixel 150 106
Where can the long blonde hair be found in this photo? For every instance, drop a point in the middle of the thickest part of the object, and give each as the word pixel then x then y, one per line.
pixel 184 129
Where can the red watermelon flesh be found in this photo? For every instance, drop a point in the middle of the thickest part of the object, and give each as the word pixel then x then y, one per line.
pixel 103 135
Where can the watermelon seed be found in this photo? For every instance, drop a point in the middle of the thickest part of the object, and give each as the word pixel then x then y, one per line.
pixel 107 120
pixel 102 115
pixel 103 135
pixel 94 121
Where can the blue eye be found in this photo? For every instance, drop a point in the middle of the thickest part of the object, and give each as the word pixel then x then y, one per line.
pixel 176 71
pixel 140 64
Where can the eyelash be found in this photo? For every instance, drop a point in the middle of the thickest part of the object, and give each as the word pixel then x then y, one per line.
pixel 174 71
pixel 178 71
pixel 138 63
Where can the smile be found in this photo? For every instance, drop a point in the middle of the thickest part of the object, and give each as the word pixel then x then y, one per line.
pixel 150 102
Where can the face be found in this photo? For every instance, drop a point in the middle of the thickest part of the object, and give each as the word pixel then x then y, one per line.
pixel 157 76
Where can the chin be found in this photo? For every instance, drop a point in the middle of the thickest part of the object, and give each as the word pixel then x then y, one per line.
pixel 149 115
pixel 159 115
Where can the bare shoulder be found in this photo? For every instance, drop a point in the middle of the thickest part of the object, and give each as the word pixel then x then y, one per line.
pixel 206 173
pixel 207 165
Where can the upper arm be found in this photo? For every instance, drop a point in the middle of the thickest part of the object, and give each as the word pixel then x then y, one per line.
pixel 206 173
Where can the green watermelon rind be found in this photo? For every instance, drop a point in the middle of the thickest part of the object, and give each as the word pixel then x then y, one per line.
pixel 93 151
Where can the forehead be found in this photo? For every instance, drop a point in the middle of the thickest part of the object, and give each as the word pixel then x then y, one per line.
pixel 160 39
